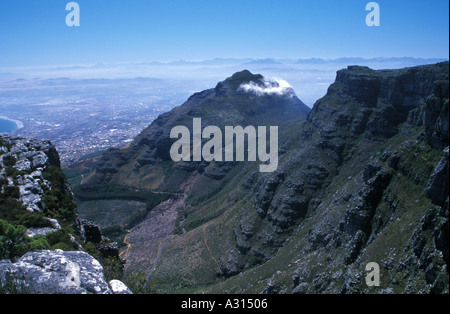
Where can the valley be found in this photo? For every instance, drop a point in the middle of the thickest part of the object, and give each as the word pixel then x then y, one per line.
pixel 356 183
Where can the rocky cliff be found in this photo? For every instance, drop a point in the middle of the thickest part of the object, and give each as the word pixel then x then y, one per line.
pixel 42 241
pixel 362 178
pixel 353 185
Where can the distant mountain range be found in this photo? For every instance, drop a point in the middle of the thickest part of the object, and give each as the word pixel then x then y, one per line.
pixel 250 61
pixel 272 61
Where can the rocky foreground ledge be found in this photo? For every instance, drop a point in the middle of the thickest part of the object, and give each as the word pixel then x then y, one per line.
pixel 57 272
pixel 31 187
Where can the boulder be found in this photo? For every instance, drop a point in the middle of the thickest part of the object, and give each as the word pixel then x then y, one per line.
pixel 108 249
pixel 89 231
pixel 57 272
pixel 118 287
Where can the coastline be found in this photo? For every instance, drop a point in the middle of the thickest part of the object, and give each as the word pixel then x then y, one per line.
pixel 19 123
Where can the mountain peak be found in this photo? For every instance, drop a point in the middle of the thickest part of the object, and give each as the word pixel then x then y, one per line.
pixel 247 82
pixel 232 102
pixel 245 76
pixel 237 79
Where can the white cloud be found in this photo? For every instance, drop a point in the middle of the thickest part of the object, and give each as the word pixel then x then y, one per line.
pixel 270 86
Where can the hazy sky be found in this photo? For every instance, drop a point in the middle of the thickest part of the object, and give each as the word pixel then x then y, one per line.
pixel 34 32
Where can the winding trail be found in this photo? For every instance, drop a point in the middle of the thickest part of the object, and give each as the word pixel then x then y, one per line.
pixel 128 247
pixel 207 247
pixel 160 247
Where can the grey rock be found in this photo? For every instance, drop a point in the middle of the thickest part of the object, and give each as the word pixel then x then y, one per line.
pixel 364 87
pixel 23 165
pixel 32 232
pixel 31 192
pixel 33 157
pixel 89 231
pixel 264 197
pixel 58 272
pixel 301 288
pixel 40 160
pixel 108 249
pixel 436 115
pixel 438 185
pixel 387 291
pixel 42 153
pixel 118 287
pixel 229 264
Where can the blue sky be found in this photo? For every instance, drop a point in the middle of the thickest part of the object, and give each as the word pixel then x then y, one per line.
pixel 34 33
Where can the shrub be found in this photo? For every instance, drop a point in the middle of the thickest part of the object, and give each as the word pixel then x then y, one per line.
pixel 13 241
pixel 38 243
pixel 9 160
pixel 59 202
pixel 33 220
pixel 12 192
pixel 10 171
pixel 11 210
pixel 60 240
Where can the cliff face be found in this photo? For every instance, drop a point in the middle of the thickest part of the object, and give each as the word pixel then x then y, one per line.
pixel 355 187
pixel 38 220
pixel 363 179
pixel 381 135
pixel 417 95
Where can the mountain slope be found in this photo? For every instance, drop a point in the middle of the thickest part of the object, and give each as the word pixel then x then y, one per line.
pixel 370 153
pixel 363 179
pixel 145 165
pixel 142 164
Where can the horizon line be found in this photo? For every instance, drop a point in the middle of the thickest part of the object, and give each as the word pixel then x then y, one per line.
pixel 199 61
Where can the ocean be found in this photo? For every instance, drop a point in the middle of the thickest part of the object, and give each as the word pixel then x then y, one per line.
pixel 7 125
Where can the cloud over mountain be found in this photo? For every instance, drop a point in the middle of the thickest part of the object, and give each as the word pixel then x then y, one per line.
pixel 270 86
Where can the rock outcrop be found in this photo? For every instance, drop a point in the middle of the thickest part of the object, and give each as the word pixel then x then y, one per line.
pixel 35 197
pixel 29 158
pixel 57 272
pixel 90 232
